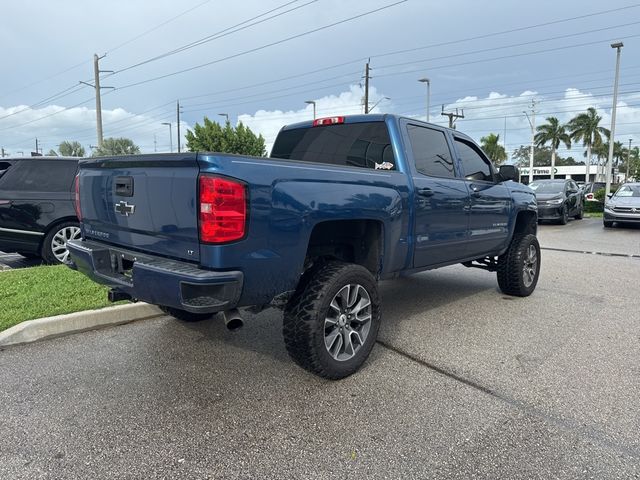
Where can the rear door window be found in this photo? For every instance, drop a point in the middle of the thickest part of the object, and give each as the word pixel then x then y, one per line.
pixel 364 145
pixel 431 152
pixel 40 176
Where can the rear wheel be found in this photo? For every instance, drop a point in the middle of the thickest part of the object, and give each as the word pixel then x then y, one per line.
pixel 331 326
pixel 54 246
pixel 580 213
pixel 519 266
pixel 184 315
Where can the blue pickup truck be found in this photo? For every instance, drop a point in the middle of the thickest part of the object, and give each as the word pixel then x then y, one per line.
pixel 341 203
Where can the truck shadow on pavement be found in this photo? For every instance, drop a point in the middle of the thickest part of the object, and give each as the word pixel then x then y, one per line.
pixel 418 299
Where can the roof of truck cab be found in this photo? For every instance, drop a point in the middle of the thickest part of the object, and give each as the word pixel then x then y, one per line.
pixel 371 117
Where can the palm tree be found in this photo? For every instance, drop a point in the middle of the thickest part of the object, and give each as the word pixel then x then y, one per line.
pixel 491 146
pixel 585 127
pixel 71 149
pixel 555 134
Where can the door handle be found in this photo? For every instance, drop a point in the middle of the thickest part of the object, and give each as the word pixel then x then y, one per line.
pixel 425 192
pixel 475 190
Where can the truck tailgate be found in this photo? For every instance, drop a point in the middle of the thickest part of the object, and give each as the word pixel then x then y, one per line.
pixel 143 203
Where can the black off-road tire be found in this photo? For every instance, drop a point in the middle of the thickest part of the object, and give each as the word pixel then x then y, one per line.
pixel 304 319
pixel 184 315
pixel 511 267
pixel 607 224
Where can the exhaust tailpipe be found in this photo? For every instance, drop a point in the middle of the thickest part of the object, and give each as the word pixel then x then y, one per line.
pixel 233 320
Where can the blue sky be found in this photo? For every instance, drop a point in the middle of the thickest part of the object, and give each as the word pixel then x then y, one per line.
pixel 481 58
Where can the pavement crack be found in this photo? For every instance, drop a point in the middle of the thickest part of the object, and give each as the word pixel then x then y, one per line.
pixel 574 426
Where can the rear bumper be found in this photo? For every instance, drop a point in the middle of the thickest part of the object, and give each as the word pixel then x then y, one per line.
pixel 157 280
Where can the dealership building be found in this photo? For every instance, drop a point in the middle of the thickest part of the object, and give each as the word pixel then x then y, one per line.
pixel 575 172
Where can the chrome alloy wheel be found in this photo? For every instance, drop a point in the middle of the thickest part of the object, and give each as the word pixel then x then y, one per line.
pixel 59 242
pixel 530 266
pixel 348 322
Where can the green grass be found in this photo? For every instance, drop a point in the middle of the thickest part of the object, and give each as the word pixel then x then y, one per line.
pixel 39 292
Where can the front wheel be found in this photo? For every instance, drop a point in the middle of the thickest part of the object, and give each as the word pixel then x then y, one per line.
pixel 519 266
pixel 565 216
pixel 331 326
pixel 580 213
pixel 607 224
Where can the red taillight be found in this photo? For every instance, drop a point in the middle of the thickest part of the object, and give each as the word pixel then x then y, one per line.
pixel 76 204
pixel 223 210
pixel 589 196
pixel 327 121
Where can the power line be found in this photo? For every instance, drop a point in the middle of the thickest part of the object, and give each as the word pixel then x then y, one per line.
pixel 262 47
pixel 222 33
pixel 503 32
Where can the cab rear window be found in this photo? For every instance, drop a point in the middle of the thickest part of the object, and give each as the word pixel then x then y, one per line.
pixel 364 145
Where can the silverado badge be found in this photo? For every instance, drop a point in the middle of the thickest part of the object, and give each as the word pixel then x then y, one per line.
pixel 123 208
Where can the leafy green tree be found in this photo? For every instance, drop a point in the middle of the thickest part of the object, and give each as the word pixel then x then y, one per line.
pixel 212 137
pixel 71 149
pixel 553 133
pixel 491 146
pixel 116 146
pixel 585 127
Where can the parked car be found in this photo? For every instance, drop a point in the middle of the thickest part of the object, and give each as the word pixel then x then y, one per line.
pixel 590 189
pixel 342 203
pixel 558 200
pixel 37 216
pixel 623 206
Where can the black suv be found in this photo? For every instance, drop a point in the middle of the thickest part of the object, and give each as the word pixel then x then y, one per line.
pixel 558 200
pixel 37 215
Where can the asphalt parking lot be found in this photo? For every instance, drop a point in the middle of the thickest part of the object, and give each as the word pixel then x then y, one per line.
pixel 464 383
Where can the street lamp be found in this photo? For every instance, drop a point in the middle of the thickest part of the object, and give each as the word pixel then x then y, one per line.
pixel 225 115
pixel 618 46
pixel 170 136
pixel 376 104
pixel 311 102
pixel 428 82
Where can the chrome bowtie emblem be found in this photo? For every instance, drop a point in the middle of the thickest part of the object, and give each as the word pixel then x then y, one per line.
pixel 123 208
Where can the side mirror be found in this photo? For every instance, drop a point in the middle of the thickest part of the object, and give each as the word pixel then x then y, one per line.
pixel 610 195
pixel 509 172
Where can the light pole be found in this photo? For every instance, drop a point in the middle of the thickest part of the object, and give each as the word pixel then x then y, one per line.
pixel 533 135
pixel 225 115
pixel 170 136
pixel 311 102
pixel 428 82
pixel 618 46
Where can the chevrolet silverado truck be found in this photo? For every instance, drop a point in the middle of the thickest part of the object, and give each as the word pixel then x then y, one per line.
pixel 342 203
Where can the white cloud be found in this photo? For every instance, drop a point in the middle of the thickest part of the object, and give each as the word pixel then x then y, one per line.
pixel 268 123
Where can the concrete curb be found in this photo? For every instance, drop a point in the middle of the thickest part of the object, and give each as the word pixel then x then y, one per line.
pixel 42 328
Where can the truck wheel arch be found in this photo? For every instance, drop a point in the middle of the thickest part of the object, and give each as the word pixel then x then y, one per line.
pixel 358 241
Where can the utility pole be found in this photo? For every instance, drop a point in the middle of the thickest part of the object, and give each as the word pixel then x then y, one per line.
pixel 618 46
pixel 37 151
pixel 366 87
pixel 178 122
pixel 97 88
pixel 453 116
pixel 626 177
pixel 532 123
pixel 170 136
pixel 2 149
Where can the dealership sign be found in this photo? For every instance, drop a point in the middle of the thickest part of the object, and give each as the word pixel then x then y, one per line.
pixel 539 171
